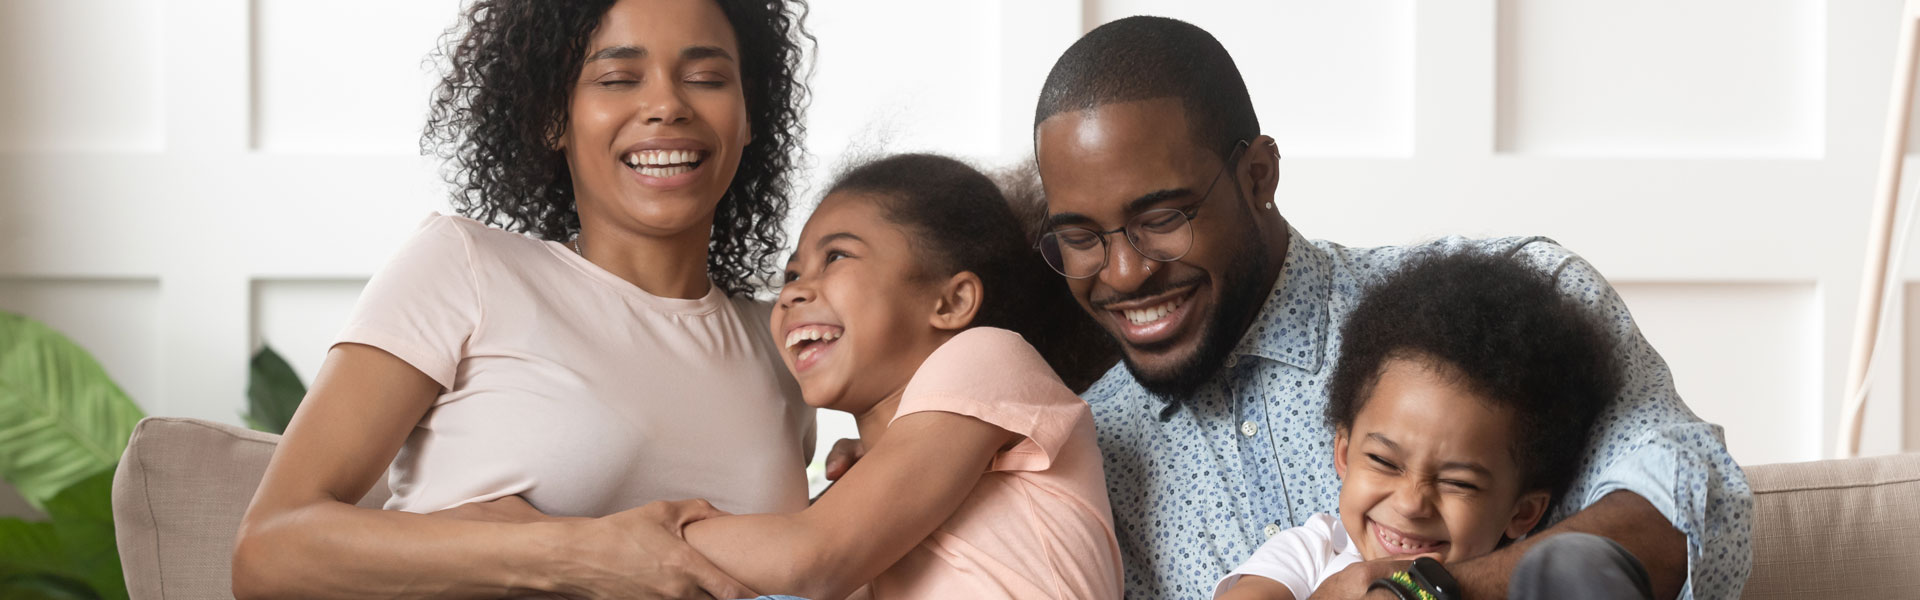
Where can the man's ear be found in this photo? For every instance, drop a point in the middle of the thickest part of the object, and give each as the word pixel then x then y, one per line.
pixel 959 301
pixel 1260 166
pixel 1527 513
pixel 1340 453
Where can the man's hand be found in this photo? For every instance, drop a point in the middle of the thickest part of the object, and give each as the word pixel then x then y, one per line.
pixel 1351 583
pixel 845 452
pixel 639 553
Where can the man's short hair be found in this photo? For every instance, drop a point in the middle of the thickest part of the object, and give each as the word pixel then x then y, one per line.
pixel 1501 329
pixel 1144 58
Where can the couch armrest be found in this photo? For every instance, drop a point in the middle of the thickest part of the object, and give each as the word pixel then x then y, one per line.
pixel 1835 528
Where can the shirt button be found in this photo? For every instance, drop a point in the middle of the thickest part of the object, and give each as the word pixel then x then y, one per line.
pixel 1272 529
pixel 1232 360
pixel 1247 428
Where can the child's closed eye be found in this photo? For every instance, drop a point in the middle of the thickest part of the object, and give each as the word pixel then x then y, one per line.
pixel 1383 463
pixel 1460 485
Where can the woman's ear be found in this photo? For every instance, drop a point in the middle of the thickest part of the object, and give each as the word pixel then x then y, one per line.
pixel 1527 513
pixel 1340 453
pixel 959 301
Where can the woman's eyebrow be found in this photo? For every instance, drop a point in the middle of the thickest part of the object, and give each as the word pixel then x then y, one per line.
pixel 618 52
pixel 700 52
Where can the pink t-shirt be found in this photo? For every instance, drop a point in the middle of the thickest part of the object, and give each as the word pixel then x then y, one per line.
pixel 575 389
pixel 1037 525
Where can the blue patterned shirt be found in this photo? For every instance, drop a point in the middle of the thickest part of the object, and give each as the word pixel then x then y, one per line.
pixel 1252 455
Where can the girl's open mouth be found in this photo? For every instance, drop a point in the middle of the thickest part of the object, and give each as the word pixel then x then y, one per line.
pixel 808 344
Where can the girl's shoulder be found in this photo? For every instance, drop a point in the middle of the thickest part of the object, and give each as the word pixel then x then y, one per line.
pixel 989 364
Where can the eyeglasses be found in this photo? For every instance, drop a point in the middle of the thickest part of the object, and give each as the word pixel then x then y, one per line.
pixel 1162 234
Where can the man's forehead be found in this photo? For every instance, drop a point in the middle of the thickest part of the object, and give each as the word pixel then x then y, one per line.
pixel 1097 161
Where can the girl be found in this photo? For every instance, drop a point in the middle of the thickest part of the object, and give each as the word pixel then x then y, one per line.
pixel 586 344
pixel 905 305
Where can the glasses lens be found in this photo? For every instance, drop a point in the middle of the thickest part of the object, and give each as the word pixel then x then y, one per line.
pixel 1074 252
pixel 1161 234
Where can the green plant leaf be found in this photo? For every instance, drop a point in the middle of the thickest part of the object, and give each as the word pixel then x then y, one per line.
pixel 273 392
pixel 43 586
pixel 82 517
pixel 62 418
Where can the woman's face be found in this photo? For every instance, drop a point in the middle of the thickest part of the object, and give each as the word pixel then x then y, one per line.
pixel 853 320
pixel 658 119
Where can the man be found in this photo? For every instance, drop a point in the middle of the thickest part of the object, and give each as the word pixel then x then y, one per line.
pixel 1229 320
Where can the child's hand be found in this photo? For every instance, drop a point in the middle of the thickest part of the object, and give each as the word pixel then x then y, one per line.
pixel 844 453
pixel 1351 583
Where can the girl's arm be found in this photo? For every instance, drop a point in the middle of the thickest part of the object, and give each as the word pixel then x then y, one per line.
pixel 303 537
pixel 910 483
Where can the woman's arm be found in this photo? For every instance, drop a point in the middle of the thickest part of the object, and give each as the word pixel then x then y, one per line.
pixel 302 536
pixel 912 481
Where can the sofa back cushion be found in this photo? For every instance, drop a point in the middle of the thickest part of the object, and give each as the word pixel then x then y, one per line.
pixel 1835 528
pixel 178 496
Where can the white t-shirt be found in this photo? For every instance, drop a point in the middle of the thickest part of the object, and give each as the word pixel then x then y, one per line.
pixel 1299 558
pixel 571 387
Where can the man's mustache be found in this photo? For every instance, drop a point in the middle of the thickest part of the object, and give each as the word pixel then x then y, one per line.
pixel 1147 291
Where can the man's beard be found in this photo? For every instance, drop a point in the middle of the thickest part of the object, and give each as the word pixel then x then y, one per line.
pixel 1242 296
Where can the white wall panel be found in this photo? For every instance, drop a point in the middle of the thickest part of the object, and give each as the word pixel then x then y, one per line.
pixel 344 76
pixel 80 76
pixel 870 95
pixel 300 319
pixel 1744 355
pixel 1328 79
pixel 117 321
pixel 1654 78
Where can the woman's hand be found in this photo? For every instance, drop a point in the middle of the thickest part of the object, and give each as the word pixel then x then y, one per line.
pixel 639 553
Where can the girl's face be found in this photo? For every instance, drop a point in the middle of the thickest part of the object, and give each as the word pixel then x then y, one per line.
pixel 1427 468
pixel 857 315
pixel 657 120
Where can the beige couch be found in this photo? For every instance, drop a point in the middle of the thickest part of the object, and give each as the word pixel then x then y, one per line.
pixel 1829 529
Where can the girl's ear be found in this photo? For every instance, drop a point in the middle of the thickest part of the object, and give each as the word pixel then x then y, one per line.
pixel 958 302
pixel 1340 453
pixel 1527 513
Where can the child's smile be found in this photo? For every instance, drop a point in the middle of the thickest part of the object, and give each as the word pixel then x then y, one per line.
pixel 1428 468
pixel 809 341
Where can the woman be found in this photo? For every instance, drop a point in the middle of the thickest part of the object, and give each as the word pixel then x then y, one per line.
pixel 611 363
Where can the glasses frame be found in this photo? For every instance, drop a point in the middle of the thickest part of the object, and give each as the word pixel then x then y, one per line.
pixel 1106 250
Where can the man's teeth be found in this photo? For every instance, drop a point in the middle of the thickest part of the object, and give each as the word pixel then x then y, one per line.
pixel 662 163
pixel 1152 313
pixel 807 334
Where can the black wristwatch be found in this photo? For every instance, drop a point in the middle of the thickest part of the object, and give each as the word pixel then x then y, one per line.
pixel 1435 579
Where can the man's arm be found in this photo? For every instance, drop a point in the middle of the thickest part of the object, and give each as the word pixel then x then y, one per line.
pixel 1623 517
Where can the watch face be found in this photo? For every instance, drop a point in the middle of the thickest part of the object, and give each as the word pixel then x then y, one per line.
pixel 1435 578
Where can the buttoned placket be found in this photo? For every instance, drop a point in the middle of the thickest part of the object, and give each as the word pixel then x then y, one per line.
pixel 1269 501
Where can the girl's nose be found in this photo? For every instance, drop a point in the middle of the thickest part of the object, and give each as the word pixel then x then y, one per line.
pixel 1413 499
pixel 794 294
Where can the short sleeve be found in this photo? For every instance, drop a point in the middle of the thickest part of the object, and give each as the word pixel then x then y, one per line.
pixel 994 375
pixel 1294 558
pixel 423 305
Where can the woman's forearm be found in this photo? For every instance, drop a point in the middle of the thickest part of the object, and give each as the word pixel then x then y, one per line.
pixel 336 550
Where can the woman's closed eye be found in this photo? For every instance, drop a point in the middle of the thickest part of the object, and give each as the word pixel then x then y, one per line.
pixel 707 79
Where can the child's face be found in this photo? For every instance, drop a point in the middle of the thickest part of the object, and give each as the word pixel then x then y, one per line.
pixel 1428 469
pixel 852 320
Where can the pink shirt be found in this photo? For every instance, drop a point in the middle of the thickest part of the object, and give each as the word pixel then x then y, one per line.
pixel 575 389
pixel 1037 525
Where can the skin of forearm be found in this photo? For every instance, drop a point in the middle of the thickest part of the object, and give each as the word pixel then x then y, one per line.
pixel 378 553
pixel 778 554
pixel 1624 517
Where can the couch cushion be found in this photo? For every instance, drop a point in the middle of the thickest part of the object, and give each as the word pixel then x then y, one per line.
pixel 178 496
pixel 1835 528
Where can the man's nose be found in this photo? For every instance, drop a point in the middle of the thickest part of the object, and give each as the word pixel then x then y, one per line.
pixel 1127 269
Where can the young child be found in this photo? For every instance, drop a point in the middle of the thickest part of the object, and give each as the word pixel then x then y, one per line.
pixel 905 304
pixel 1461 402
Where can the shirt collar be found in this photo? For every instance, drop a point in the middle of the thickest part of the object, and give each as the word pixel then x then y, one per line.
pixel 1292 327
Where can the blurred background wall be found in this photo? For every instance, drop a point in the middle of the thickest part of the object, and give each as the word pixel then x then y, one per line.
pixel 182 181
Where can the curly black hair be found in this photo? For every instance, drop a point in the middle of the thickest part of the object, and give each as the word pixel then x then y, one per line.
pixel 1507 333
pixel 961 220
pixel 510 68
